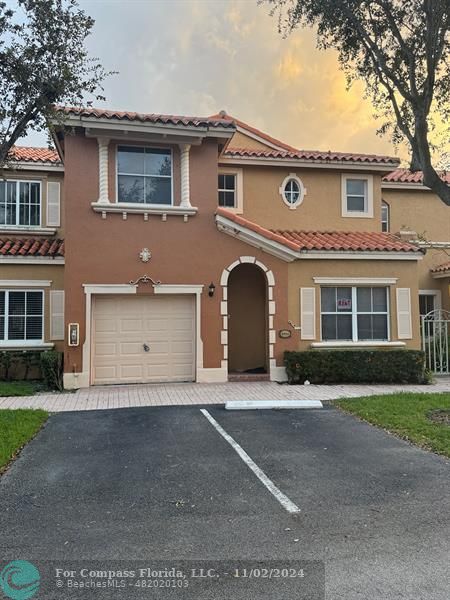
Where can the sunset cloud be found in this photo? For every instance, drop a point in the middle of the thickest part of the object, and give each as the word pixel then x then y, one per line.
pixel 200 56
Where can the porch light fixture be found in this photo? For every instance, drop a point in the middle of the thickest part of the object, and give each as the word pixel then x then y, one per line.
pixel 211 289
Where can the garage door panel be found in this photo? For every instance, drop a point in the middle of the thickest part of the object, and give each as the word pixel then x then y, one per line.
pixel 130 349
pixel 105 349
pixel 121 327
pixel 105 374
pixel 130 325
pixel 106 325
pixel 131 372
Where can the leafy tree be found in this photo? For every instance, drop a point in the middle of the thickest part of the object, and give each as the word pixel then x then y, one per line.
pixel 400 49
pixel 43 61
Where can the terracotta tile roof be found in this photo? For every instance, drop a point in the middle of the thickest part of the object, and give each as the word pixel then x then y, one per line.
pixel 442 268
pixel 301 241
pixel 100 113
pixel 30 154
pixel 268 138
pixel 312 155
pixel 32 247
pixel 405 176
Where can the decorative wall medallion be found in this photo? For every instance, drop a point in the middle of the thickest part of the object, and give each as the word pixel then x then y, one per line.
pixel 145 255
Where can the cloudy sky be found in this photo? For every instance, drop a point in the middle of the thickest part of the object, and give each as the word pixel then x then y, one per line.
pixel 197 57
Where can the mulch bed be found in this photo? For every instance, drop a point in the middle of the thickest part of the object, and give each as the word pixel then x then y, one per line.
pixel 440 416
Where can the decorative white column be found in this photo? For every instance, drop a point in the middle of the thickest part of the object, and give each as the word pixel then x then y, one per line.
pixel 103 144
pixel 185 186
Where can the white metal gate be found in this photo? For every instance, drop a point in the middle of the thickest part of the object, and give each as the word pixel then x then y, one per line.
pixel 435 330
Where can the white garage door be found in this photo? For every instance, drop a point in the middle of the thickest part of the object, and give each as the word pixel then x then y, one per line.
pixel 142 339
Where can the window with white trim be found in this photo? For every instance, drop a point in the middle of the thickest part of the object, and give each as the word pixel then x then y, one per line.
pixel 292 191
pixel 144 175
pixel 20 203
pixel 230 189
pixel 357 195
pixel 21 316
pixel 427 303
pixel 227 187
pixel 384 216
pixel 354 314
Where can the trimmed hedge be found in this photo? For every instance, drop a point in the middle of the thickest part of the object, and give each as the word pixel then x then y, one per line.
pixel 355 366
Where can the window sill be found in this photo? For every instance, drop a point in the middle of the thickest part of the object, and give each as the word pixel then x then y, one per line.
pixel 358 215
pixel 346 344
pixel 26 345
pixel 143 209
pixel 27 229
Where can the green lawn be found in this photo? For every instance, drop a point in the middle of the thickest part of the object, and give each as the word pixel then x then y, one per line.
pixel 405 415
pixel 17 388
pixel 17 427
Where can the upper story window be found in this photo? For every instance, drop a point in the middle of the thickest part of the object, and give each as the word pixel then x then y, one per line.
pixel 230 189
pixel 227 190
pixel 20 203
pixel 384 216
pixel 21 316
pixel 357 196
pixel 354 313
pixel 292 191
pixel 144 175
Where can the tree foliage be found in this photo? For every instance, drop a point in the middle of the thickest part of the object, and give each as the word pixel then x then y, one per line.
pixel 43 61
pixel 401 50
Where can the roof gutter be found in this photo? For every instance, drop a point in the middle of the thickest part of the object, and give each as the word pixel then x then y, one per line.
pixel 312 164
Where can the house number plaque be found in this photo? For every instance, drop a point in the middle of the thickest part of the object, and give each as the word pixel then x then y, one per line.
pixel 284 333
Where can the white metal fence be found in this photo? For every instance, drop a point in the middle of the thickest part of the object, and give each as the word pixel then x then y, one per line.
pixel 435 331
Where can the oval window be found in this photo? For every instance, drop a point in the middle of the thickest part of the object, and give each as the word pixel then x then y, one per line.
pixel 292 191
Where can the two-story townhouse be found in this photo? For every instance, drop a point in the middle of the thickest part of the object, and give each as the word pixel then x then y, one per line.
pixel 197 248
pixel 410 207
pixel 206 304
pixel 32 251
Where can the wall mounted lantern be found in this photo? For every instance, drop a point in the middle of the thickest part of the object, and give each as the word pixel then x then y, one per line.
pixel 211 289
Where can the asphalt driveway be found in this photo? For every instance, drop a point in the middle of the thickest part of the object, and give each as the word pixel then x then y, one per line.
pixel 159 485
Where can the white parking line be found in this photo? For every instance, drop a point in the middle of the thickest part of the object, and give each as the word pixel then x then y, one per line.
pixel 278 494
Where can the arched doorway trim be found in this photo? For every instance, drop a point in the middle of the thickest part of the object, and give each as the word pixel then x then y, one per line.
pixel 224 306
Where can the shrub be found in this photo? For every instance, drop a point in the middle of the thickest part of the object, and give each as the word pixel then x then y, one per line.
pixel 52 369
pixel 19 365
pixel 355 366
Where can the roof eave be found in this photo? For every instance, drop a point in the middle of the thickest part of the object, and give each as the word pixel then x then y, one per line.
pixel 31 165
pixel 116 124
pixel 313 163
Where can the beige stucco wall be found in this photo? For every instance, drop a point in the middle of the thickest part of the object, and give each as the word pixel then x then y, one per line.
pixel 44 177
pixel 53 273
pixel 301 273
pixel 321 208
pixel 423 212
pixel 240 140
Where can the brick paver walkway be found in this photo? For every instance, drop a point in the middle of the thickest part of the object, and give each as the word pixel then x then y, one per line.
pixel 203 393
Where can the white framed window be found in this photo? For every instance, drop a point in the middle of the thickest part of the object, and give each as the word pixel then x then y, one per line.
pixel 292 191
pixel 21 317
pixel 429 300
pixel 230 189
pixel 144 175
pixel 357 195
pixel 385 225
pixel 20 203
pixel 355 314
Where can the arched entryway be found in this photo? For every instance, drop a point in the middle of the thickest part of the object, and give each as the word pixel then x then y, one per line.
pixel 247 320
